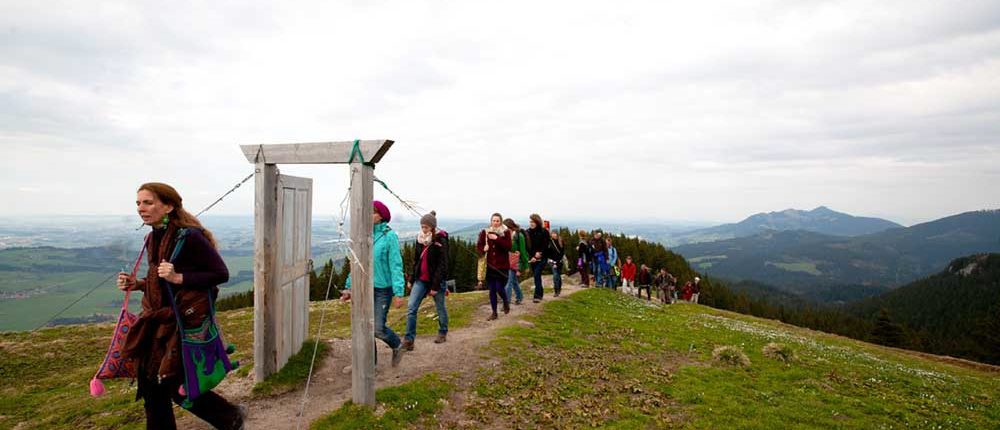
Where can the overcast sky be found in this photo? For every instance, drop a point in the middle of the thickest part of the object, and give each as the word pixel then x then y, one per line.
pixel 614 110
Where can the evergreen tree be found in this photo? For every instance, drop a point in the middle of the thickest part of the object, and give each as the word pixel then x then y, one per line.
pixel 886 332
pixel 989 335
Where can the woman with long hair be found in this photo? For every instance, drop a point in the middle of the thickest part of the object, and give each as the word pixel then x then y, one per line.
pixel 538 252
pixel 154 341
pixel 556 253
pixel 494 242
pixel 584 258
pixel 518 261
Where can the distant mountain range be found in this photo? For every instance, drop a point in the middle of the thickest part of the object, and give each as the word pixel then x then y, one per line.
pixel 799 260
pixel 820 220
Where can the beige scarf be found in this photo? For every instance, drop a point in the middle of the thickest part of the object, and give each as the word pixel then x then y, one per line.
pixel 425 239
pixel 499 231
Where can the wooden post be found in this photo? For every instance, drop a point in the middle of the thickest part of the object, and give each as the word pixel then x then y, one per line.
pixel 362 293
pixel 265 263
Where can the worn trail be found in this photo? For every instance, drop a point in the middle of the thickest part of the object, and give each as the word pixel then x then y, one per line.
pixel 331 385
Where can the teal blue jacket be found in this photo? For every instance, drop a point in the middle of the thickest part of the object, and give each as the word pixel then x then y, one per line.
pixel 387 259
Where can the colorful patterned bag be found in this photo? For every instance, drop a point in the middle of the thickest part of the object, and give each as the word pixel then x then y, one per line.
pixel 205 356
pixel 114 366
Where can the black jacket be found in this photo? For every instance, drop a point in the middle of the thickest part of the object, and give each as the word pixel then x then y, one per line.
pixel 538 241
pixel 556 252
pixel 437 260
pixel 584 252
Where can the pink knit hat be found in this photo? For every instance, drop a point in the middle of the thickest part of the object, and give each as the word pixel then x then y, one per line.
pixel 382 210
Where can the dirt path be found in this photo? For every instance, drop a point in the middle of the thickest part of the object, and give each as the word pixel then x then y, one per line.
pixel 331 385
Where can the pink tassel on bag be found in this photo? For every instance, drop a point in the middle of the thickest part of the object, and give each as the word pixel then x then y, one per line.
pixel 96 387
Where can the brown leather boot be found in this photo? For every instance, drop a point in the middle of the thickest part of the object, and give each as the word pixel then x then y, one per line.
pixel 408 344
pixel 442 338
pixel 492 317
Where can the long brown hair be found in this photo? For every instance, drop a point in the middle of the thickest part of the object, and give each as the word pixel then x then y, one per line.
pixel 537 219
pixel 511 224
pixel 178 217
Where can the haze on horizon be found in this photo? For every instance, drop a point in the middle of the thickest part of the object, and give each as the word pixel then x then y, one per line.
pixel 641 111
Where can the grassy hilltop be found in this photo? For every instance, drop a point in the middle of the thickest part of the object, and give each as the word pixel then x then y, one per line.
pixel 597 358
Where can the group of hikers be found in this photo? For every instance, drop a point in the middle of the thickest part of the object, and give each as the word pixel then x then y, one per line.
pixel 506 251
pixel 599 257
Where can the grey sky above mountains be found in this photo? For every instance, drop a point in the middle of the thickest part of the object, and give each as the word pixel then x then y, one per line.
pixel 624 110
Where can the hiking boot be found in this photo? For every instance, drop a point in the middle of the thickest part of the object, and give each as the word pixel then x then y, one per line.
pixel 506 308
pixel 397 356
pixel 442 338
pixel 517 302
pixel 241 418
pixel 408 344
pixel 535 300
pixel 492 317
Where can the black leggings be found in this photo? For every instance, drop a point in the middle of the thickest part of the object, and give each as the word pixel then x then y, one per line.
pixel 210 407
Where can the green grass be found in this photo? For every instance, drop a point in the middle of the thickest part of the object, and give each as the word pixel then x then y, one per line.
pixel 707 258
pixel 803 267
pixel 296 371
pixel 603 359
pixel 44 376
pixel 404 406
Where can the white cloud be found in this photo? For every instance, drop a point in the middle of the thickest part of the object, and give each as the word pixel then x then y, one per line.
pixel 636 110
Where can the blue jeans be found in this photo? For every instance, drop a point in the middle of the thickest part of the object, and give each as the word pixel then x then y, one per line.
pixel 383 299
pixel 536 271
pixel 417 295
pixel 600 269
pixel 557 277
pixel 512 284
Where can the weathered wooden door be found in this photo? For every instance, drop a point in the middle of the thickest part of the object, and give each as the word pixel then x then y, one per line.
pixel 294 264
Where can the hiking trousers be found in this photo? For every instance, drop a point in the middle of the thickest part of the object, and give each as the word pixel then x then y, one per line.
pixel 210 407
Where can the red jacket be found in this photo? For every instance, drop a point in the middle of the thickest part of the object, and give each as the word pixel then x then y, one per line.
pixel 628 271
pixel 497 257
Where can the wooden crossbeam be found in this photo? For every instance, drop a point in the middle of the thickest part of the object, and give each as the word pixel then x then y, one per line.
pixel 315 152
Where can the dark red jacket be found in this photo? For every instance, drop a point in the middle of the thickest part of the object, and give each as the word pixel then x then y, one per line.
pixel 645 277
pixel 497 257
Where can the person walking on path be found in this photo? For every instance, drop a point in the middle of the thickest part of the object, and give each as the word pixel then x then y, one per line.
pixel 430 270
pixel 495 243
pixel 556 254
pixel 584 258
pixel 154 340
pixel 628 275
pixel 695 290
pixel 614 271
pixel 644 280
pixel 665 281
pixel 518 260
pixel 387 278
pixel 538 250
pixel 600 250
pixel 686 292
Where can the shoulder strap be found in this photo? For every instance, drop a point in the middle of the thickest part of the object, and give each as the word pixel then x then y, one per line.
pixel 135 267
pixel 178 244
